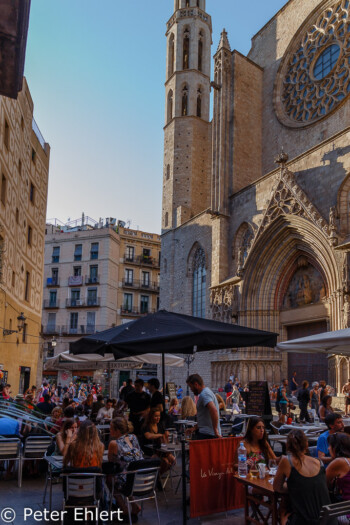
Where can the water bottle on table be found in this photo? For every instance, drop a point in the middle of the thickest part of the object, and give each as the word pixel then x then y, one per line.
pixel 242 461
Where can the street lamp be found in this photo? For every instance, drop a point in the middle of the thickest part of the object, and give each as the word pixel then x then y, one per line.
pixel 21 319
pixel 189 358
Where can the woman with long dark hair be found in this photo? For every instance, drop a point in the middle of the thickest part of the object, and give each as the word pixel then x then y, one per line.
pixel 326 407
pixel 304 399
pixel 304 479
pixel 256 443
pixel 338 470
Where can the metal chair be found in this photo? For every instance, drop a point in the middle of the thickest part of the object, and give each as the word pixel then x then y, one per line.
pixel 34 448
pixel 10 450
pixel 335 510
pixel 140 486
pixel 81 490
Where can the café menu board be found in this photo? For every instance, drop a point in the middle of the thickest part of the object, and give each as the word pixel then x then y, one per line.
pixel 258 399
pixel 171 390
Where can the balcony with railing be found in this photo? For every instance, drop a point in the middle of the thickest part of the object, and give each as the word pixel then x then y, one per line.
pixel 83 303
pixel 52 281
pixel 50 329
pixel 50 303
pixel 82 329
pixel 75 280
pixel 95 279
pixel 135 312
pixel 143 260
pixel 141 285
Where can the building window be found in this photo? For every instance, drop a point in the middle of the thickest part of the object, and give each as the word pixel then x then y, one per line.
pixel 29 235
pixel 54 274
pixel 77 271
pixel 94 250
pixel 51 323
pixel 92 297
pixel 32 193
pixel 33 155
pixel 199 284
pixel 93 277
pixel 144 304
pixel 184 107
pixel 56 254
pixel 127 302
pixel 200 54
pixel 24 333
pixel 168 172
pixel 129 276
pixel 326 61
pixel 7 135
pixel 53 298
pixel 199 103
pixel 3 189
pixel 145 279
pixel 78 252
pixel 73 323
pixel 186 50
pixel 170 106
pixel 171 55
pixel 91 322
pixel 26 290
pixel 75 297
pixel 130 251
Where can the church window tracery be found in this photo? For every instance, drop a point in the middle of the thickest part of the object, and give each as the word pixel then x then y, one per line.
pixel 186 50
pixel 199 283
pixel 184 107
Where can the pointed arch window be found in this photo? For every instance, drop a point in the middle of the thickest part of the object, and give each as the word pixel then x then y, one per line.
pixel 200 52
pixel 171 55
pixel 199 103
pixel 186 50
pixel 199 284
pixel 170 106
pixel 184 107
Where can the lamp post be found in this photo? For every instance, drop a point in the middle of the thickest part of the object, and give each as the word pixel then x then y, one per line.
pixel 189 360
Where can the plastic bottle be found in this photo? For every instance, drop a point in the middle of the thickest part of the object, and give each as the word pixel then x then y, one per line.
pixel 242 461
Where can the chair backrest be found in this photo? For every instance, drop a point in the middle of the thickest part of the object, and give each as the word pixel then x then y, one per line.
pixel 9 448
pixel 81 485
pixel 142 479
pixel 36 446
pixel 335 510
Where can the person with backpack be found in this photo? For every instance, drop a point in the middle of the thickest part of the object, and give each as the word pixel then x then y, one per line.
pixel 282 401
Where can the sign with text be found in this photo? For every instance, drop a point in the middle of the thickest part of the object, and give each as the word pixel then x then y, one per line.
pixel 171 389
pixel 213 486
pixel 258 399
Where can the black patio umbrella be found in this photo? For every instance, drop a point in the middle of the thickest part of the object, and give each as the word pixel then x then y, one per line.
pixel 167 332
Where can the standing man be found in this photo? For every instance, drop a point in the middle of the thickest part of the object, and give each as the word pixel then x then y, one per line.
pixel 208 424
pixel 157 398
pixel 346 392
pixel 126 390
pixel 282 400
pixel 335 424
pixel 293 384
pixel 139 403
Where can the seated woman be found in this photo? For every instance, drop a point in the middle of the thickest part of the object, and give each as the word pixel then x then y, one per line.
pixel 326 407
pixel 255 441
pixel 66 436
pixel 174 408
pixel 338 470
pixel 86 450
pixel 306 483
pixel 87 404
pixel 123 448
pixel 155 434
pixel 188 408
pixel 53 423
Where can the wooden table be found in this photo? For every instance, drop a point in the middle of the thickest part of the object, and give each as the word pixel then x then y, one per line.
pixel 253 502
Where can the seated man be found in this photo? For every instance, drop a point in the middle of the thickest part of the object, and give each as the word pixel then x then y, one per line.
pixel 9 427
pixel 105 413
pixel 335 424
pixel 96 405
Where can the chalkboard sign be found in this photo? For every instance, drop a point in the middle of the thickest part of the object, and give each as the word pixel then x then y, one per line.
pixel 258 399
pixel 171 390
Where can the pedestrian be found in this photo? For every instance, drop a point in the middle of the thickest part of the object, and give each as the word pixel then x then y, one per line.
pixel 282 401
pixel 315 397
pixel 293 384
pixel 346 392
pixel 304 399
pixel 208 424
pixel 126 390
pixel 228 390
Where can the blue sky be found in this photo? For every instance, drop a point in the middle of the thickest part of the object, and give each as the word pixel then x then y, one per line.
pixel 96 71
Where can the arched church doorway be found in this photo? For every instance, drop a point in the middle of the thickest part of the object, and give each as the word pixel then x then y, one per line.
pixel 310 367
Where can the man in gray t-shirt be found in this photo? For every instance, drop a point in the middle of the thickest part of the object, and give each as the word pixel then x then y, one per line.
pixel 208 424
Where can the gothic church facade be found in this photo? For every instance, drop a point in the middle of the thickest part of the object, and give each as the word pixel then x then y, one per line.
pixel 256 200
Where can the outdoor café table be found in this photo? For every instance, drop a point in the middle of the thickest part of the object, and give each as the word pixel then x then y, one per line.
pixel 265 489
pixel 305 428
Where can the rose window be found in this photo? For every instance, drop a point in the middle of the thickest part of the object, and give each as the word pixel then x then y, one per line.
pixel 314 76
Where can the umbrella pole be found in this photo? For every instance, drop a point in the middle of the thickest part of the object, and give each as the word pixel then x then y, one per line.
pixel 184 492
pixel 163 375
pixel 109 380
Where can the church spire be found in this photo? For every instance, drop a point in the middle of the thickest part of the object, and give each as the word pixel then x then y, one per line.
pixel 224 43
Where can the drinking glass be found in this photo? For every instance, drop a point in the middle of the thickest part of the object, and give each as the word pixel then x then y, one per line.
pixel 254 471
pixel 273 467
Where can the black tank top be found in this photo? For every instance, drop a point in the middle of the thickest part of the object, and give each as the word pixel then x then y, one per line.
pixel 307 496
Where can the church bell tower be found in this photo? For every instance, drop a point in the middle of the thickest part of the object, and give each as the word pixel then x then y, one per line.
pixel 187 131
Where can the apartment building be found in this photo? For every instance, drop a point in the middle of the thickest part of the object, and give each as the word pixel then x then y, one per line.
pixel 24 171
pixel 80 280
pixel 138 292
